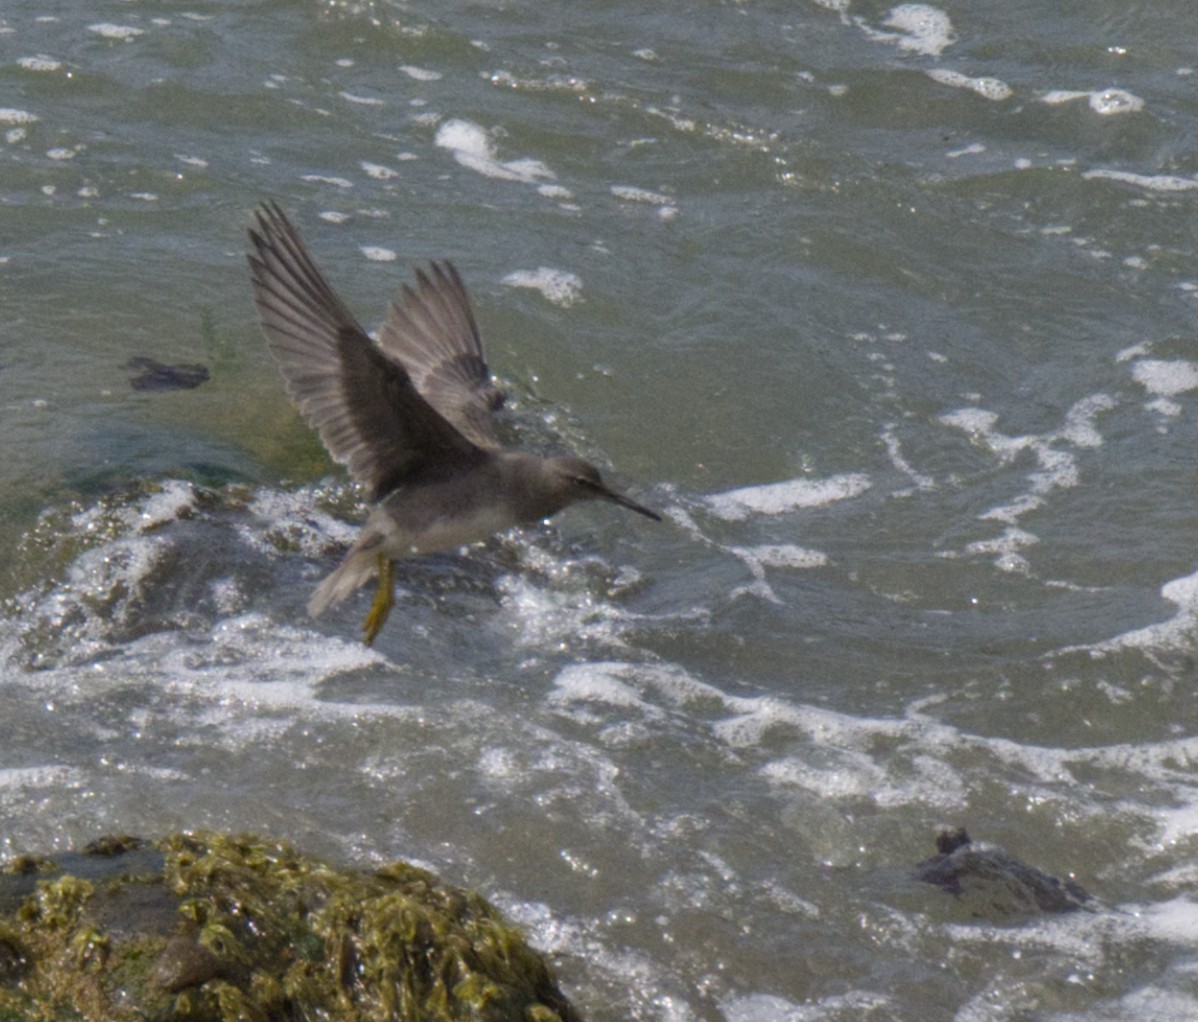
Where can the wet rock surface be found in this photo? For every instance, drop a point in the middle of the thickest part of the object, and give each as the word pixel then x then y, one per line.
pixel 213 927
pixel 150 374
pixel 991 882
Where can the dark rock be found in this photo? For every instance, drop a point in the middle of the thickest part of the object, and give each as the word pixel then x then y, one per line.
pixel 113 844
pixel 991 882
pixel 150 374
pixel 185 963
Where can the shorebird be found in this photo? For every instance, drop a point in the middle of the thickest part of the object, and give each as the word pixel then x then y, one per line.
pixel 410 416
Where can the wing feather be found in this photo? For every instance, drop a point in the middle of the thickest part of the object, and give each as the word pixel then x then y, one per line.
pixel 358 396
pixel 431 330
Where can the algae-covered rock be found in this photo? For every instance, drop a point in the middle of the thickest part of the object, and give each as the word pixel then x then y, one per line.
pixel 212 927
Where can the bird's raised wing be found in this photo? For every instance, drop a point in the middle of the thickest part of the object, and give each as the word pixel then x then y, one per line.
pixel 431 331
pixel 362 401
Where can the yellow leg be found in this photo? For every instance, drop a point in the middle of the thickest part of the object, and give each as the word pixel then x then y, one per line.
pixel 384 600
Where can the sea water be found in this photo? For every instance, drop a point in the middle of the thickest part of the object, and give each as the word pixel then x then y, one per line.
pixel 888 308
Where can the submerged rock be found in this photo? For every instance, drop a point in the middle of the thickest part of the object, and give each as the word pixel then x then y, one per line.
pixel 213 927
pixel 150 374
pixel 992 882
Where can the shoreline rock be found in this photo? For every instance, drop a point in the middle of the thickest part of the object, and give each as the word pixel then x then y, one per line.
pixel 207 926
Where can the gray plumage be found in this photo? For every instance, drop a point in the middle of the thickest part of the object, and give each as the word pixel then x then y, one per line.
pixel 410 417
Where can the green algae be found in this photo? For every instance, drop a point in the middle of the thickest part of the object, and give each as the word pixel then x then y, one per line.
pixel 249 929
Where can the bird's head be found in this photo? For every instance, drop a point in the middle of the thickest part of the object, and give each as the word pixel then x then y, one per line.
pixel 573 479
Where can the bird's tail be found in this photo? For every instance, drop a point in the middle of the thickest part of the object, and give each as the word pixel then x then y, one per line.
pixel 358 568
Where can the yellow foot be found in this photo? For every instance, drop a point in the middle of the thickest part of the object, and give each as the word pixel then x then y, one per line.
pixel 384 600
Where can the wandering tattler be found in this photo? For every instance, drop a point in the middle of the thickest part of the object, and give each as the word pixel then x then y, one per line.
pixel 410 416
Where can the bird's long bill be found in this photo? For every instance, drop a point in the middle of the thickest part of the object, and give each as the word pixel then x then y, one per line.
pixel 632 505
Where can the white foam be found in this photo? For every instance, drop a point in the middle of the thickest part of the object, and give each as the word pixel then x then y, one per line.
pixel 1163 406
pixel 781 555
pixel 40 63
pixel 1151 182
pixel 111 31
pixel 1165 378
pixel 420 74
pixel 11 115
pixel 837 774
pixel 1080 428
pixel 545 617
pixel 988 88
pixel 629 686
pixel 922 29
pixel 667 207
pixel 785 555
pixel 1179 823
pixel 1007 543
pixel 631 194
pixel 378 254
pixel 1056 469
pixel 683 124
pixel 555 192
pixel 1176 919
pixel 378 171
pixel 50 776
pixel 1115 101
pixel 1105 101
pixel 557 286
pixel 173 499
pixel 349 97
pixel 857 1004
pixel 291 514
pixel 977 422
pixel 238 686
pixel 610 960
pixel 894 450
pixel 324 179
pixel 1175 633
pixel 780 498
pixel 841 754
pixel 600 684
pixel 471 146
